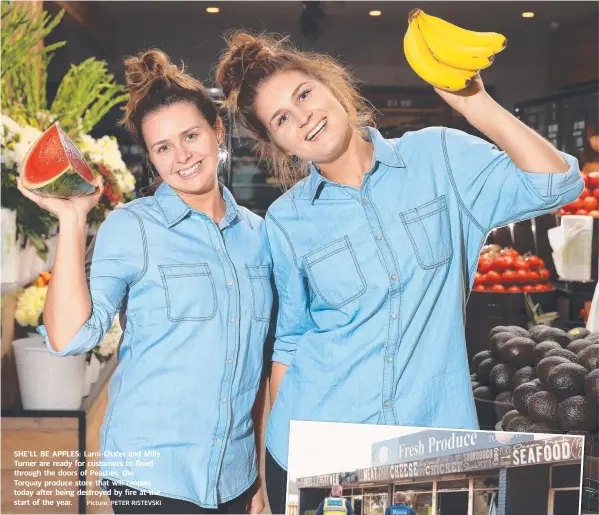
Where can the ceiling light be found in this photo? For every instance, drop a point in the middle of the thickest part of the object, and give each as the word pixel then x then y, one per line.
pixel 375 13
pixel 528 15
pixel 212 10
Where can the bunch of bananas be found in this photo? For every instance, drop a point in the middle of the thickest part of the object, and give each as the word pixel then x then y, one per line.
pixel 445 55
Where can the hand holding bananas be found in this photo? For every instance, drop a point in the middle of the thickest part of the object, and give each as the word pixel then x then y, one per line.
pixel 445 55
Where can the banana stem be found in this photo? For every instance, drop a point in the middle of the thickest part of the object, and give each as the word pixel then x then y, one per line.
pixel 413 14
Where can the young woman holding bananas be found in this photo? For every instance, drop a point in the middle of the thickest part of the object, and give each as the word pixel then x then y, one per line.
pixel 375 248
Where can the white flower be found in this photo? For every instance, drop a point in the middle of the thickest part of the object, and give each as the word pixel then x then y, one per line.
pixel 30 305
pixel 125 180
pixel 111 341
pixel 27 137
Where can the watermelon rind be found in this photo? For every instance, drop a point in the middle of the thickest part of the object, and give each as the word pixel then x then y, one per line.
pixel 67 184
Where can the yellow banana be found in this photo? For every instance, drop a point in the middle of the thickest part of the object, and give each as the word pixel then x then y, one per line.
pixel 454 54
pixel 492 40
pixel 427 67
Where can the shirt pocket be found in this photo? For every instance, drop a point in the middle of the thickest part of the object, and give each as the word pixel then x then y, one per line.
pixel 261 291
pixel 430 232
pixel 190 292
pixel 334 273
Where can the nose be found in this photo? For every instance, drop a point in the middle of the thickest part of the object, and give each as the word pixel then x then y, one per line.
pixel 304 118
pixel 182 153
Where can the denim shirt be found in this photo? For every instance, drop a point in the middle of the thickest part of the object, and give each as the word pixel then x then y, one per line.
pixel 373 282
pixel 199 301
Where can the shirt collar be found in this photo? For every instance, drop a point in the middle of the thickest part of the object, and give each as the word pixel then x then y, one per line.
pixel 384 152
pixel 174 208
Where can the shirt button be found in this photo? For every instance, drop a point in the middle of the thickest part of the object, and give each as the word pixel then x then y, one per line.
pixel 232 320
pixel 389 359
pixel 217 439
pixel 379 237
pixel 386 404
pixel 224 399
pixel 229 283
pixel 218 249
pixel 230 361
pixel 394 316
pixel 394 277
pixel 364 201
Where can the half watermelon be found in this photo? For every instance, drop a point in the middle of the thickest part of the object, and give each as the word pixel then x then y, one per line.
pixel 54 167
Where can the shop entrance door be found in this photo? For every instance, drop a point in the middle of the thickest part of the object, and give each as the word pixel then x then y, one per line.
pixel 357 505
pixel 452 503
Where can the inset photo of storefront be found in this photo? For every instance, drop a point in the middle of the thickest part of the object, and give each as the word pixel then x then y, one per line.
pixel 433 471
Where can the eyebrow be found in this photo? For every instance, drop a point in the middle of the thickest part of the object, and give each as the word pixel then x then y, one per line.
pixel 292 95
pixel 180 134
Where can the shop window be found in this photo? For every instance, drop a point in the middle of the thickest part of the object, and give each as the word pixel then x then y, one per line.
pixel 565 476
pixel 374 504
pixel 420 496
pixel 485 502
pixel 456 484
pixel 486 483
pixel 564 495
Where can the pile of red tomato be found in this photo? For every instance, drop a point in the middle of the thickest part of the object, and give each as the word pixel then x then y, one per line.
pixel 505 270
pixel 588 202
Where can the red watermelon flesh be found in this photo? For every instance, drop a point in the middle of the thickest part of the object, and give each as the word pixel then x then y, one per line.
pixel 55 167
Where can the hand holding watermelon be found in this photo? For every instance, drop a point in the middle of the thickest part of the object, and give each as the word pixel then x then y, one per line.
pixel 66 207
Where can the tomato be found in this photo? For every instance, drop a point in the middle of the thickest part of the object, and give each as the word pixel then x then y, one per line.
pixel 480 287
pixel 541 263
pixel 539 287
pixel 585 193
pixel 522 276
pixel 484 264
pixel 596 193
pixel 533 261
pixel 594 179
pixel 520 263
pixel 545 274
pixel 477 278
pixel 493 277
pixel 528 288
pixel 582 212
pixel 594 213
pixel 510 252
pixel 498 264
pixel 498 287
pixel 548 287
pixel 508 261
pixel 561 211
pixel 574 206
pixel 508 277
pixel 533 277
pixel 587 180
pixel 590 203
pixel 514 289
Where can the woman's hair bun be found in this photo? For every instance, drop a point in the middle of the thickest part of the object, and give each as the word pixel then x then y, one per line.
pixel 244 51
pixel 143 70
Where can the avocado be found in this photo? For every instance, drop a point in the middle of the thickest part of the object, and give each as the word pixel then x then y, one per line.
pixel 546 365
pixel 566 380
pixel 503 404
pixel 497 329
pixel 500 377
pixel 509 416
pixel 591 385
pixel 564 353
pixel 522 394
pixel 543 348
pixel 478 358
pixel 542 427
pixel 578 413
pixel 483 392
pixel 577 345
pixel 593 337
pixel 484 369
pixel 542 407
pixel 589 357
pixel 475 385
pixel 555 335
pixel 498 340
pixel 536 330
pixel 523 375
pixel 578 333
pixel 505 397
pixel 517 330
pixel 519 351
pixel 520 424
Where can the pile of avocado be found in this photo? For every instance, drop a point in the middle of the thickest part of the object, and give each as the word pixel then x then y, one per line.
pixel 550 377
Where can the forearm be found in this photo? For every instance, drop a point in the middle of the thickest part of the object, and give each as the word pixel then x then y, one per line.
pixel 525 147
pixel 258 419
pixel 68 303
pixel 276 376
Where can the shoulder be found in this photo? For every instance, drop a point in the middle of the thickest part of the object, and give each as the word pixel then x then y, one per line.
pixel 288 201
pixel 249 217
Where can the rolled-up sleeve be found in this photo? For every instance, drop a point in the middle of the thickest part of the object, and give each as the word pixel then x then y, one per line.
pixel 117 262
pixel 494 191
pixel 293 317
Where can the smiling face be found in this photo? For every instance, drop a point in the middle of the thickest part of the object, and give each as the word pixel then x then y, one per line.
pixel 183 147
pixel 303 116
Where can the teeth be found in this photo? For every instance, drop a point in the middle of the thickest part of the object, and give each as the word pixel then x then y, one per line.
pixel 193 169
pixel 316 130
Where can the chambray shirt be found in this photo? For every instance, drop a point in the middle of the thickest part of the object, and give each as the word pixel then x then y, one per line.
pixel 199 302
pixel 373 282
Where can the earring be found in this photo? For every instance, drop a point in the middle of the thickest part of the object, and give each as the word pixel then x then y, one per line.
pixel 223 153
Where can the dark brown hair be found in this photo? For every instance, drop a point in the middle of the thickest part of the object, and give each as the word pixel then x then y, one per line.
pixel 249 60
pixel 153 83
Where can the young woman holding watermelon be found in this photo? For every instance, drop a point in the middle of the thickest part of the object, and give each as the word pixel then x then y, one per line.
pixel 375 248
pixel 192 271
